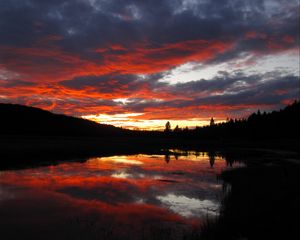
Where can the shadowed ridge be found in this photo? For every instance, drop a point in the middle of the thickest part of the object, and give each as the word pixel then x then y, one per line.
pixel 280 124
pixel 23 120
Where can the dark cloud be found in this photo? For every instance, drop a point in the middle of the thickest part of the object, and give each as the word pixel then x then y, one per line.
pixel 229 90
pixel 76 56
pixel 91 24
pixel 15 83
pixel 104 83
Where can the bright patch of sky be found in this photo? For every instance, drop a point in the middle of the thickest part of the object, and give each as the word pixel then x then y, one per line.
pixel 275 7
pixel 106 118
pixel 96 4
pixel 131 11
pixel 7 75
pixel 130 122
pixel 286 63
pixel 123 101
pixel 190 5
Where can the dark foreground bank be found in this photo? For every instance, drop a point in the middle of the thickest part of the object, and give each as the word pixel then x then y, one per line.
pixel 26 151
pixel 32 136
pixel 262 201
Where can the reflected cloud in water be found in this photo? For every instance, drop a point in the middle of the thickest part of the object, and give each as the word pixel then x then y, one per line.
pixel 189 207
pixel 119 159
pixel 145 190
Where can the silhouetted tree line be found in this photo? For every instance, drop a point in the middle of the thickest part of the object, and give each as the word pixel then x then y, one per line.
pixel 277 124
pixel 23 120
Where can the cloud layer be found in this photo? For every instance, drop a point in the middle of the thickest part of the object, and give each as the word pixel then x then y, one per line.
pixel 122 57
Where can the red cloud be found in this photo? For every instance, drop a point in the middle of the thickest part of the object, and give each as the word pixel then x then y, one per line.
pixel 144 59
pixel 48 63
pixel 42 64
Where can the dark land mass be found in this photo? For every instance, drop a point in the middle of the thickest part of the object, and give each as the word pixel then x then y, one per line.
pixel 258 126
pixel 30 135
pixel 262 200
pixel 29 121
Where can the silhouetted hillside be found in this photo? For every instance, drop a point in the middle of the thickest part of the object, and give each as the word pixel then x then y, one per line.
pixel 23 120
pixel 276 124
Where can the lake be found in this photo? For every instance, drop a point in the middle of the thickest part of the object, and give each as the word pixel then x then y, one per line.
pixel 164 196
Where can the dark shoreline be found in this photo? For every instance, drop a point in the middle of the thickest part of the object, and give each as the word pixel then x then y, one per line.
pixel 263 199
pixel 264 195
pixel 27 150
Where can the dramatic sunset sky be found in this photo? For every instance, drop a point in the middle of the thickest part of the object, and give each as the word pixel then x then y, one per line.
pixel 139 63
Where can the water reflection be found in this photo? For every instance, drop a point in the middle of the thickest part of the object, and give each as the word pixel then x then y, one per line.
pixel 211 156
pixel 131 197
pixel 189 207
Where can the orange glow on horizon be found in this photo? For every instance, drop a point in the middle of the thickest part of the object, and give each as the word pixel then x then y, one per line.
pixel 129 122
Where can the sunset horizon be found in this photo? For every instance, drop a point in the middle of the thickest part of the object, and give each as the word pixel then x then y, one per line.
pixel 149 119
pixel 139 64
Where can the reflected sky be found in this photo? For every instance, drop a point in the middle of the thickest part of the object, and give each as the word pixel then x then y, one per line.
pixel 154 194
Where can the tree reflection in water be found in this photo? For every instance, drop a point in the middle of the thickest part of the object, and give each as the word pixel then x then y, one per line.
pixel 131 197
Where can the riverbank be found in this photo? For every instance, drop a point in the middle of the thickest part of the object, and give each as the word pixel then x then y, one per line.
pixel 263 199
pixel 22 151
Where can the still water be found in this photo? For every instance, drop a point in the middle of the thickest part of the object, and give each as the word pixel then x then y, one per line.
pixel 119 197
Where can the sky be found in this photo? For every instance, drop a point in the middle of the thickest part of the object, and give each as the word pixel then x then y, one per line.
pixel 140 63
